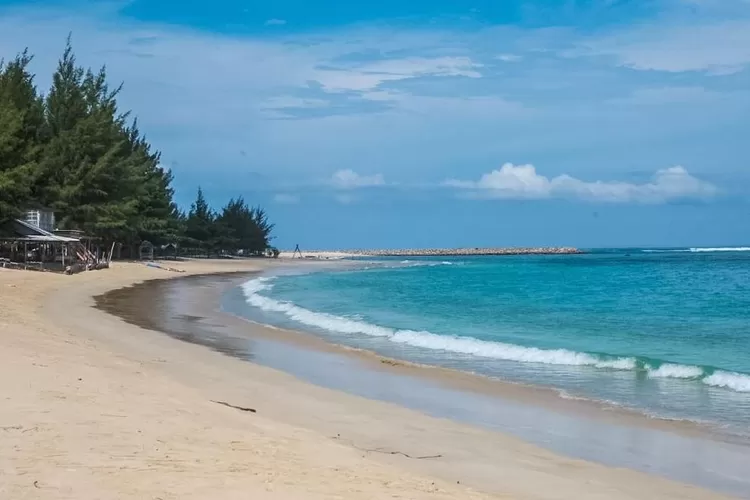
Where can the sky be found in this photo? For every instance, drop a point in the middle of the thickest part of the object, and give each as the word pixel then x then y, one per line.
pixel 434 123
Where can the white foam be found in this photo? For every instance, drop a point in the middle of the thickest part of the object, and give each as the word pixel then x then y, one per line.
pixel 698 250
pixel 729 380
pixel 476 347
pixel 256 285
pixel 566 395
pixel 721 249
pixel 305 316
pixel 423 339
pixel 618 364
pixel 669 370
pixel 494 350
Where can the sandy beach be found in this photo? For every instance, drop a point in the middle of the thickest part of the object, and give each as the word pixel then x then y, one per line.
pixel 95 407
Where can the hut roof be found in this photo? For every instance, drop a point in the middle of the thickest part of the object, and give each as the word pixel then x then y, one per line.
pixel 18 230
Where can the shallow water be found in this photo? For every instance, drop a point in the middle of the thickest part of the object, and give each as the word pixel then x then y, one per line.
pixel 665 332
pixel 184 308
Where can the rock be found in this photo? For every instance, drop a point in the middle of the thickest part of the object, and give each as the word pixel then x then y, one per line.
pixel 451 252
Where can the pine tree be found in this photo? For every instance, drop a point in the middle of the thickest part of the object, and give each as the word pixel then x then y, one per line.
pixel 75 152
pixel 200 224
pixel 157 218
pixel 90 176
pixel 240 227
pixel 65 104
pixel 21 134
pixel 263 228
pixel 64 108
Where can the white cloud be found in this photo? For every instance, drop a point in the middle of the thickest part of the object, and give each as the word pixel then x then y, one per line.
pixel 369 76
pixel 719 47
pixel 286 198
pixel 509 57
pixel 523 182
pixel 200 102
pixel 219 102
pixel 349 179
pixel 275 22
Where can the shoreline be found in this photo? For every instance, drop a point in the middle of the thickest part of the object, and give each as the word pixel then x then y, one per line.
pixel 541 398
pixel 518 389
pixel 546 397
pixel 166 387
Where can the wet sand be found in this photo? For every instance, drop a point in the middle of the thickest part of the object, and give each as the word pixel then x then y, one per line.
pixel 189 310
pixel 96 408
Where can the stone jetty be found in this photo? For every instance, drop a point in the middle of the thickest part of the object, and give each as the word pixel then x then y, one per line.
pixel 452 252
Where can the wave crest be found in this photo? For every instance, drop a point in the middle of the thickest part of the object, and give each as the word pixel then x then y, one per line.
pixel 482 348
pixel 696 250
pixel 721 249
pixel 729 380
pixel 427 340
pixel 670 370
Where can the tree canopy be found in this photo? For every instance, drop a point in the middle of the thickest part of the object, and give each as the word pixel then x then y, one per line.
pixel 74 151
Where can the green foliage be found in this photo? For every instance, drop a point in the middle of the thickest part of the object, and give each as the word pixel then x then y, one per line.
pixel 21 133
pixel 75 152
pixel 200 230
pixel 241 228
pixel 238 229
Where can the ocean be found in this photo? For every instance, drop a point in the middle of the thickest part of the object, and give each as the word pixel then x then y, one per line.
pixel 665 332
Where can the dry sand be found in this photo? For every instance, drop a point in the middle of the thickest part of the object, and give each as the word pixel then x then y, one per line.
pixel 94 408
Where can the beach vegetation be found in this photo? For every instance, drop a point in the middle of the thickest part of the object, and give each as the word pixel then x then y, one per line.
pixel 237 229
pixel 75 152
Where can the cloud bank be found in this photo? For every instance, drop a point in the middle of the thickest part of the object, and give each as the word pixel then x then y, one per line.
pixel 523 182
pixel 298 102
pixel 349 179
pixel 718 47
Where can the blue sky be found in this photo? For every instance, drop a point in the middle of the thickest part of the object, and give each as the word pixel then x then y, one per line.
pixel 435 123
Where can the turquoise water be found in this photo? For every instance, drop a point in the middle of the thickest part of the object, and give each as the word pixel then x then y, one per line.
pixel 666 332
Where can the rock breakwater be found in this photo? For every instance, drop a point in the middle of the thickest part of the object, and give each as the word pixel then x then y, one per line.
pixel 451 252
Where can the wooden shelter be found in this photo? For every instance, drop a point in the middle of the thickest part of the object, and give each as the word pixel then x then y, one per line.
pixel 146 250
pixel 24 245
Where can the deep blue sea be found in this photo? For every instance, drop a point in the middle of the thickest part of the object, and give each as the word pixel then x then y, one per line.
pixel 665 332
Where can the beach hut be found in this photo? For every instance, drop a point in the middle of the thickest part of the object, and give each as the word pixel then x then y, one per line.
pixel 24 244
pixel 146 250
pixel 169 250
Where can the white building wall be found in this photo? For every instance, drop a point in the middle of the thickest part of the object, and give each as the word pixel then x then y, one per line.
pixel 43 219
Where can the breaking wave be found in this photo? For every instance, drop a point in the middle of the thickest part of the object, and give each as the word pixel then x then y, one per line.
pixel 696 250
pixel 721 249
pixel 729 380
pixel 487 349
